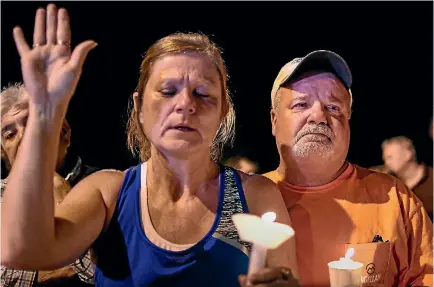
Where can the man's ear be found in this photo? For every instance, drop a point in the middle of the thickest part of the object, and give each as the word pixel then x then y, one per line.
pixel 65 136
pixel 273 116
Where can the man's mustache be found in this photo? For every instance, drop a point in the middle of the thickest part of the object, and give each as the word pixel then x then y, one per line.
pixel 315 129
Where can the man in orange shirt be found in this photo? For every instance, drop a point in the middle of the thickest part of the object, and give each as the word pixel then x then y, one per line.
pixel 333 204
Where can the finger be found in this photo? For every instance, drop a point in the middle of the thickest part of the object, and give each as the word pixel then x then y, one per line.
pixel 39 31
pixel 63 26
pixel 80 53
pixel 265 275
pixel 51 24
pixel 20 41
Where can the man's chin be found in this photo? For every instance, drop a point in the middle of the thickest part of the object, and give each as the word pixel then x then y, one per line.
pixel 313 150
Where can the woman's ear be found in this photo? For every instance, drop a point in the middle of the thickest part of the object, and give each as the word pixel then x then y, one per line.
pixel 137 106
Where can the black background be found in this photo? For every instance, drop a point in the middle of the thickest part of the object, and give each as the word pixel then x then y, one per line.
pixel 388 46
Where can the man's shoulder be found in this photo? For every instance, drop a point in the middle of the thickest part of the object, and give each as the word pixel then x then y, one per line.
pixel 379 184
pixel 273 175
pixel 377 177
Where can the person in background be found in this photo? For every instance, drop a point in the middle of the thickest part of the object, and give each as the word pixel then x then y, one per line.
pixel 70 169
pixel 399 156
pixel 242 163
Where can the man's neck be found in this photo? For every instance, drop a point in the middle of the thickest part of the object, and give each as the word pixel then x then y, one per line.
pixel 411 174
pixel 310 172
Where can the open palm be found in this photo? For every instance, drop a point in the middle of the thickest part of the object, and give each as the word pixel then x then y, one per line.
pixel 50 70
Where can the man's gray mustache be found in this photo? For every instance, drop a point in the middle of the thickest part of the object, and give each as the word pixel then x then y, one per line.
pixel 323 130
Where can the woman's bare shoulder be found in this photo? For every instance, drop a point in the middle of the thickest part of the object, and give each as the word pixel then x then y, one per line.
pixel 253 183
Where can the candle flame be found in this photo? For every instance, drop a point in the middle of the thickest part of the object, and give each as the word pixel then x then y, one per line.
pixel 350 253
pixel 269 216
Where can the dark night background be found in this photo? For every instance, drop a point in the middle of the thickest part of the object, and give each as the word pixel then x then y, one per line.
pixel 388 46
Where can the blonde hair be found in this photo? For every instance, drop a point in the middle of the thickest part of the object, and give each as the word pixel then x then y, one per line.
pixel 178 43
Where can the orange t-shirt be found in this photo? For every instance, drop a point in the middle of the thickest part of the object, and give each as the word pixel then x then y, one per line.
pixel 349 212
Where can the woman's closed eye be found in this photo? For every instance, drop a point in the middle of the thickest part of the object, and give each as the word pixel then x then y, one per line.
pixel 200 93
pixel 168 91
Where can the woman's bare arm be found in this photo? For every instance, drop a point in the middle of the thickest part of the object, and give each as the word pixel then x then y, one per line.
pixel 31 236
pixel 263 196
pixel 77 222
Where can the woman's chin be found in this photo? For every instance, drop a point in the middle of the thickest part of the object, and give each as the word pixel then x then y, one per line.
pixel 181 148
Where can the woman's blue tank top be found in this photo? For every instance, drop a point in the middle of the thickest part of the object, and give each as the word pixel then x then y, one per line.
pixel 126 256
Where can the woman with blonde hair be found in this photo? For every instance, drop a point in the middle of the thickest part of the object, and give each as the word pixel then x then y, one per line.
pixel 164 222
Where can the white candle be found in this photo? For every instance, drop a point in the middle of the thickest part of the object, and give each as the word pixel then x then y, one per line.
pixel 346 262
pixel 263 233
pixel 345 272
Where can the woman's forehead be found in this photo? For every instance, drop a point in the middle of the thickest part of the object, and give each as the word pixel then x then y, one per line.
pixel 191 65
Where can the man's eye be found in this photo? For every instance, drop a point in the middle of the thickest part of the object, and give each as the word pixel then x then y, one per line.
pixel 333 108
pixel 9 135
pixel 300 105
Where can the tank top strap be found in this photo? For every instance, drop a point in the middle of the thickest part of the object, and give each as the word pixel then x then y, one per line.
pixel 234 202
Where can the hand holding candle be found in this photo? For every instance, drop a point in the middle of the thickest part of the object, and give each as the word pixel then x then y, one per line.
pixel 263 233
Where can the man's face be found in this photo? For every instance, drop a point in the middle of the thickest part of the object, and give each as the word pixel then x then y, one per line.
pixel 13 125
pixel 396 156
pixel 312 119
pixel 247 166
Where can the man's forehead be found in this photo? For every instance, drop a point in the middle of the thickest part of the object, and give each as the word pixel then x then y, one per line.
pixel 7 106
pixel 15 113
pixel 396 145
pixel 395 148
pixel 317 82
